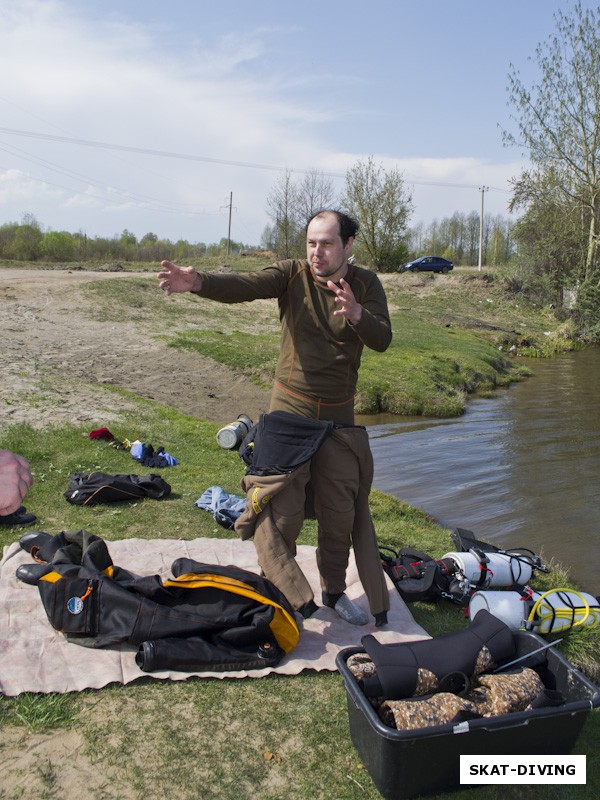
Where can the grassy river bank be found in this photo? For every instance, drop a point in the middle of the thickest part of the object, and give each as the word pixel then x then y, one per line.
pixel 454 336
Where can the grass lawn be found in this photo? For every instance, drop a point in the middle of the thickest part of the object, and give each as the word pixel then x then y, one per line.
pixel 277 737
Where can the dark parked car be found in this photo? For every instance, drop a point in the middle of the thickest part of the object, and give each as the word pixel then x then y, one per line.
pixel 428 264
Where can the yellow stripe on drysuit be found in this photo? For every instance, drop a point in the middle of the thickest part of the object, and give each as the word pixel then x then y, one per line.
pixel 283 624
pixel 256 501
pixel 53 577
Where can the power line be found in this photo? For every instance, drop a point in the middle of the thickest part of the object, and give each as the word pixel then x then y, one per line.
pixel 116 157
pixel 104 192
pixel 142 150
pixel 206 159
pixel 113 191
pixel 148 203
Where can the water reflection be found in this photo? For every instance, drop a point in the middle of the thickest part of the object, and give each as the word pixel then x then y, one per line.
pixel 521 469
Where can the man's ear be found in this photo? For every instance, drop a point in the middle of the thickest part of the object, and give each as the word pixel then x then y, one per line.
pixel 349 245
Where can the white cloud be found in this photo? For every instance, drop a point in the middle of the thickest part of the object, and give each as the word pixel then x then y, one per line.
pixel 109 79
pixel 17 187
pixel 441 186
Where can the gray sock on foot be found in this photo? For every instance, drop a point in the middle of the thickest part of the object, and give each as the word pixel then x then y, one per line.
pixel 350 612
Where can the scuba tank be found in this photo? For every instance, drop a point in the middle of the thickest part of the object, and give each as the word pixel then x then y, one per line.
pixel 541 612
pixel 492 570
pixel 231 436
pixel 483 565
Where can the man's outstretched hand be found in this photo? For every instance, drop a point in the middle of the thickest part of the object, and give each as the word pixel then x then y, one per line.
pixel 178 279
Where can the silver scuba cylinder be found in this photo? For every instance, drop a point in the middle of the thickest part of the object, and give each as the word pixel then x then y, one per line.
pixel 231 436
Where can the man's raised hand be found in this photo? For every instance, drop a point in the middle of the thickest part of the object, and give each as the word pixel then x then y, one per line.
pixel 347 303
pixel 177 279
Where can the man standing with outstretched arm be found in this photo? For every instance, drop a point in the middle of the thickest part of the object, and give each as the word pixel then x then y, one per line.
pixel 329 311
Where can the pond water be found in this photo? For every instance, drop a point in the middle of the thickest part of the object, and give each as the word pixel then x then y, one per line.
pixel 521 469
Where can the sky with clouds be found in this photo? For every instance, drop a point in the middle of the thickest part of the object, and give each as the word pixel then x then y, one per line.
pixel 156 117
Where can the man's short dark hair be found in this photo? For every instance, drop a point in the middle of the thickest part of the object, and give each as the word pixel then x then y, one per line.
pixel 348 225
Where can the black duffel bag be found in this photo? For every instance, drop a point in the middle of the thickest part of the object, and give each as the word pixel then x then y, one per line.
pixel 100 487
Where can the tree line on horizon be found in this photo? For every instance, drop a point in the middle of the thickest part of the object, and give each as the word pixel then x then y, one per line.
pixel 27 241
pixel 455 238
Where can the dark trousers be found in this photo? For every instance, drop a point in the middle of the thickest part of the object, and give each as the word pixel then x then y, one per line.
pixel 340 475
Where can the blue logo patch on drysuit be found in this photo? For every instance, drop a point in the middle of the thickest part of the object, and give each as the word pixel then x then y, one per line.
pixel 75 605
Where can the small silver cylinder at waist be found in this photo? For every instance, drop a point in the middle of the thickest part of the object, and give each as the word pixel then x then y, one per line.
pixel 231 436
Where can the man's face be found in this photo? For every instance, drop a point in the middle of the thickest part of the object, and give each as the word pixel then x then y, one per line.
pixel 326 253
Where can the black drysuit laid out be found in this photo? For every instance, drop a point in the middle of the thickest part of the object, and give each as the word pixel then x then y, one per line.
pixel 208 617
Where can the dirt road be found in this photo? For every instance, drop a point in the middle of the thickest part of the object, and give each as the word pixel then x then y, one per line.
pixel 55 358
pixel 54 361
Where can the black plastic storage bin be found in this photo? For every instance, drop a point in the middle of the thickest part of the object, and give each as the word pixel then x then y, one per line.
pixel 406 764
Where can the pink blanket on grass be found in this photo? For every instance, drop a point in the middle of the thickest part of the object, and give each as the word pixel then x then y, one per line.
pixel 36 658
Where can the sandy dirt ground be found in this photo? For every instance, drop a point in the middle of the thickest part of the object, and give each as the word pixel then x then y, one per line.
pixel 54 358
pixel 54 766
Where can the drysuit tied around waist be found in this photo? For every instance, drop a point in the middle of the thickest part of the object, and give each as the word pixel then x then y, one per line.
pixel 282 453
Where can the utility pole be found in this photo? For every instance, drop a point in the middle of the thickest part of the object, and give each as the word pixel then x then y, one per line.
pixel 229 228
pixel 482 189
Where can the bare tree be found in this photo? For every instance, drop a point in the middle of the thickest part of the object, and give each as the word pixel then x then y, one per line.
pixel 314 193
pixel 290 204
pixel 282 208
pixel 472 237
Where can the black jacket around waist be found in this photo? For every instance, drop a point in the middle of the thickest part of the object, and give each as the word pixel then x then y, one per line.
pixel 280 442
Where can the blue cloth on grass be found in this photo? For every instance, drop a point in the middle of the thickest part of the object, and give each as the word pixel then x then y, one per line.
pixel 224 507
